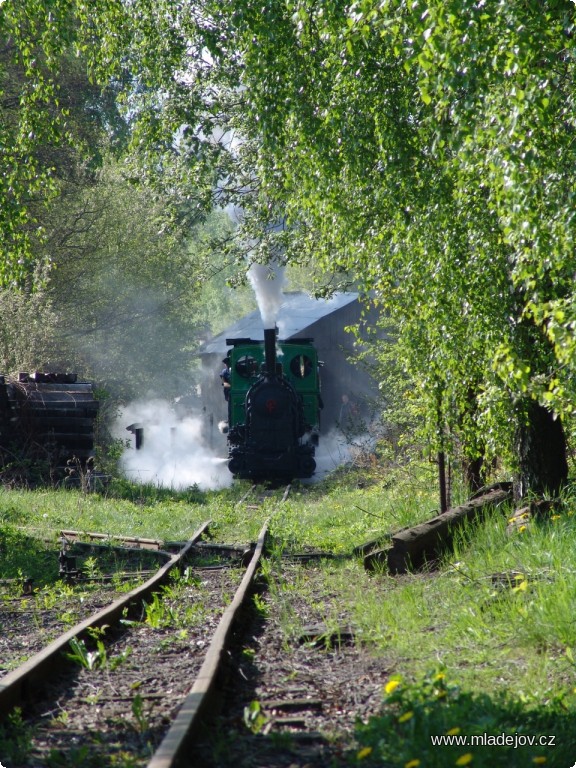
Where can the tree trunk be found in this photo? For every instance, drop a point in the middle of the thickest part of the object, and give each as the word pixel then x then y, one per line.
pixel 542 451
pixel 474 473
pixel 444 503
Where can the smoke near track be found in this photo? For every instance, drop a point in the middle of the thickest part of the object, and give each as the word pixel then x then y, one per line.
pixel 174 453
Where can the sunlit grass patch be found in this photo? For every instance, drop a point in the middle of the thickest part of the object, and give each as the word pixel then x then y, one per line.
pixel 347 515
pixel 496 613
pixel 433 722
pixel 526 578
pixel 26 557
pixel 499 612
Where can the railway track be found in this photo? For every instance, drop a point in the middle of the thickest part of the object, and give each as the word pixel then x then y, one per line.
pixel 299 681
pixel 149 694
pixel 289 683
pixel 137 676
pixel 257 494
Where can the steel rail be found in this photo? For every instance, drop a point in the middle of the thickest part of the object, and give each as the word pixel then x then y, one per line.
pixel 19 685
pixel 174 750
pixel 128 541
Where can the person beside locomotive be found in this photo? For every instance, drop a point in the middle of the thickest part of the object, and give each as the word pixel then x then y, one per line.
pixel 225 378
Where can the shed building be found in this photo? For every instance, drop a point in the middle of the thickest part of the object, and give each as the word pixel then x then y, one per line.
pixel 301 316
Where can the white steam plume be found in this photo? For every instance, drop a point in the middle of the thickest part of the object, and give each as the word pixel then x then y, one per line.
pixel 333 450
pixel 268 281
pixel 174 453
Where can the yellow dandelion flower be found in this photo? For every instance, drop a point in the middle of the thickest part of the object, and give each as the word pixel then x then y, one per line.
pixel 465 759
pixel 521 529
pixel 391 685
pixel 406 716
pixel 539 760
pixel 555 517
pixel 412 763
pixel 364 752
pixel 440 676
pixel 453 731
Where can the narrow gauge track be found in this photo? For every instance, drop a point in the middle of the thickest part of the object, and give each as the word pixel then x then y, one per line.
pixel 299 680
pixel 24 628
pixel 182 745
pixel 118 706
pixel 31 617
pixel 258 493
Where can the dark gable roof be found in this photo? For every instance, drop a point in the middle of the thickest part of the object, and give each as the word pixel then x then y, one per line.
pixel 297 312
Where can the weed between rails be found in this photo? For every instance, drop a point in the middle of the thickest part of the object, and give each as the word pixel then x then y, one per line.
pixel 97 658
pixel 15 738
pixel 497 615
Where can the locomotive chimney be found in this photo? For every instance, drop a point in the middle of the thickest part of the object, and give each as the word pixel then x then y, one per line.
pixel 270 350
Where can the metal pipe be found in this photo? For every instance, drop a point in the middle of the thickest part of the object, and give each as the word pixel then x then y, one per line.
pixel 270 350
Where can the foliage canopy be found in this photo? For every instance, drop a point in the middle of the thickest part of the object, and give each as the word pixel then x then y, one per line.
pixel 426 148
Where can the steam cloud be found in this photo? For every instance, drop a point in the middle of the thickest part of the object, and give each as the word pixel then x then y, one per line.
pixel 333 451
pixel 174 453
pixel 268 283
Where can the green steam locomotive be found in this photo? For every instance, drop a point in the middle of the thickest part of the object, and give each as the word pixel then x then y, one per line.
pixel 274 404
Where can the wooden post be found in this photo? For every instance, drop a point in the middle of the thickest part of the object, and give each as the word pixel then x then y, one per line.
pixel 442 481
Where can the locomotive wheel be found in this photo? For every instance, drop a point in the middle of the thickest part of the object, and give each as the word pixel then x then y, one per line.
pixel 235 465
pixel 307 466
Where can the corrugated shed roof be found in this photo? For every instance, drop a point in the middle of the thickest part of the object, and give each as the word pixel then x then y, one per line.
pixel 297 312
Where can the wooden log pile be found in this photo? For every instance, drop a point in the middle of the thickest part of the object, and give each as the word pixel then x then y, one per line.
pixel 52 413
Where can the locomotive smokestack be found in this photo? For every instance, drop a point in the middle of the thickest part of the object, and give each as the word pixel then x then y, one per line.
pixel 270 350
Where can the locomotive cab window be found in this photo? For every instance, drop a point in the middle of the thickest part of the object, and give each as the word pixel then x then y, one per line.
pixel 246 366
pixel 301 366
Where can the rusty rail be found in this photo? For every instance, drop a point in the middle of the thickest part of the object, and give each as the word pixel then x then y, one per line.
pixel 174 751
pixel 21 684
